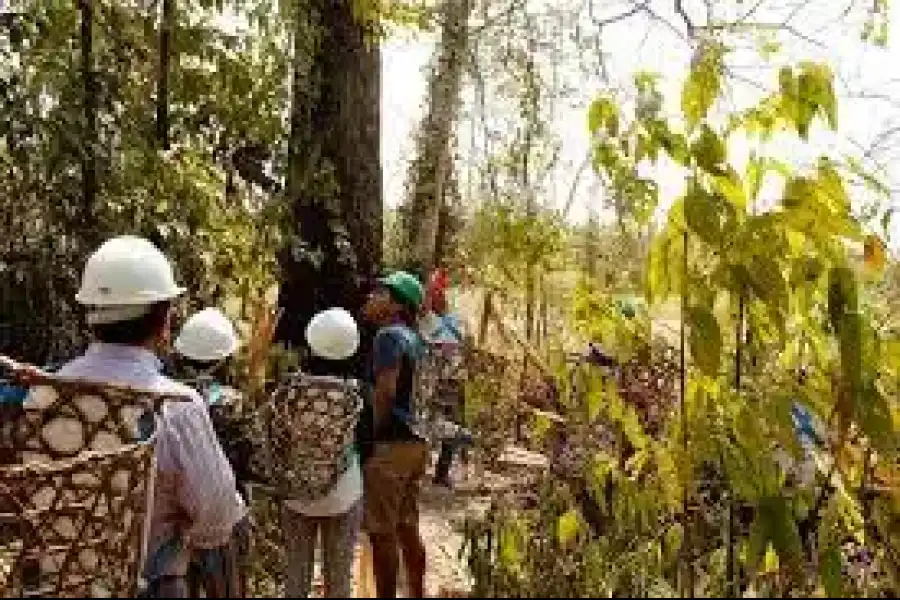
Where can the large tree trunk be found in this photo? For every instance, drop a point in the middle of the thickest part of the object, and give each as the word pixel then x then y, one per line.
pixel 334 167
pixel 432 168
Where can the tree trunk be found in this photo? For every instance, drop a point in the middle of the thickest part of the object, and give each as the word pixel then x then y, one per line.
pixel 334 167
pixel 433 165
pixel 162 93
pixel 90 100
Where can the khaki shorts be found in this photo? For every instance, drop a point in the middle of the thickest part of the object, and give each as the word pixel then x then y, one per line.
pixel 392 478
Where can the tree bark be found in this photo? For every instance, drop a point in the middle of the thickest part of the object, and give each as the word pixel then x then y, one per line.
pixel 90 100
pixel 432 168
pixel 334 168
pixel 162 94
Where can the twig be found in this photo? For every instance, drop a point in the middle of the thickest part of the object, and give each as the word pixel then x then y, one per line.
pixel 637 8
pixel 689 24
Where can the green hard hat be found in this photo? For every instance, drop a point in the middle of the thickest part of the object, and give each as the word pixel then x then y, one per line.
pixel 405 286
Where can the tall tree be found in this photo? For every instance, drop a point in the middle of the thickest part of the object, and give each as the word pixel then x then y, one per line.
pixel 334 172
pixel 431 171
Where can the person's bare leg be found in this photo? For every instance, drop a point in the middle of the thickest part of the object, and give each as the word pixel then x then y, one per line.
pixel 413 559
pixel 386 559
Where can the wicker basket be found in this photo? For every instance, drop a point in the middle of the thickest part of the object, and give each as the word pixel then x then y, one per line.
pixel 74 491
pixel 79 524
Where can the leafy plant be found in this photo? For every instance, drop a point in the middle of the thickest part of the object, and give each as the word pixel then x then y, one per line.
pixel 768 292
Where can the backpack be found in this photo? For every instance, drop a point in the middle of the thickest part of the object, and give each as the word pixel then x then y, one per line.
pixel 310 425
pixel 439 387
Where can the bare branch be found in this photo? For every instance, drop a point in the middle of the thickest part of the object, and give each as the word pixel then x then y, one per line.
pixel 637 8
pixel 679 9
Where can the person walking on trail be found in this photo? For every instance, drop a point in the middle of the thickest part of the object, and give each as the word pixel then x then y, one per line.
pixel 203 348
pixel 128 289
pixel 444 332
pixel 332 336
pixel 399 455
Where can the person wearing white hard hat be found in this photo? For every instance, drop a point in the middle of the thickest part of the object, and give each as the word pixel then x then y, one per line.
pixel 207 337
pixel 127 288
pixel 203 349
pixel 204 346
pixel 332 336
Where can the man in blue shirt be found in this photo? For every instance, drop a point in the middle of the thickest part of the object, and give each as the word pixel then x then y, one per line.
pixel 398 458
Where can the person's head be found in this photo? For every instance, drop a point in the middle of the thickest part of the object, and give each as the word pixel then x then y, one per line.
pixel 127 288
pixel 396 297
pixel 332 334
pixel 207 339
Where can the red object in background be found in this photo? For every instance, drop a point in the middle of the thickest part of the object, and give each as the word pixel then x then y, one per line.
pixel 438 283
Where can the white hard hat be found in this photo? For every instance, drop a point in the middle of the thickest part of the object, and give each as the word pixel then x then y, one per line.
pixel 208 336
pixel 123 278
pixel 333 334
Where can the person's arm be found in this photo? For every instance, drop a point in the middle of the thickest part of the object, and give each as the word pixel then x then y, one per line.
pixel 208 490
pixel 388 354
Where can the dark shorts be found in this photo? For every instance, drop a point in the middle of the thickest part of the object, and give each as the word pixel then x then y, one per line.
pixel 393 477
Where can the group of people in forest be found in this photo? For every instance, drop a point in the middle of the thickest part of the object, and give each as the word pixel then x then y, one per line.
pixel 199 510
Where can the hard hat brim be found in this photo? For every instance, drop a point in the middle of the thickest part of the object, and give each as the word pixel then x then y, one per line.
pixel 137 299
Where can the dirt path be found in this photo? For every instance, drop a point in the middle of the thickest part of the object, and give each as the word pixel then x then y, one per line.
pixel 443 514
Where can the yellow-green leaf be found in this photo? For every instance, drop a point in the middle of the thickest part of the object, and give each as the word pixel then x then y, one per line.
pixel 832 579
pixel 702 215
pixel 567 527
pixel 732 188
pixel 705 339
pixel 754 177
pixel 603 114
pixel 703 84
pixel 709 150
pixel 510 547
pixel 770 561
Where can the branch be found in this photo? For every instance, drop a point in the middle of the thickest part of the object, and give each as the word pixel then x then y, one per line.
pixel 637 8
pixel 737 25
pixel 679 9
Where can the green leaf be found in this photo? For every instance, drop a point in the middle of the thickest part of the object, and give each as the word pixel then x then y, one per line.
pixel 842 295
pixel 769 48
pixel 798 191
pixel 594 401
pixel 703 85
pixel 567 527
pixel 774 524
pixel 603 114
pixel 510 545
pixel 673 540
pixel 702 214
pixel 754 177
pixel 705 339
pixel 731 186
pixel 832 578
pixel 709 150
pixel 816 86
pixel 770 561
pixel 768 283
